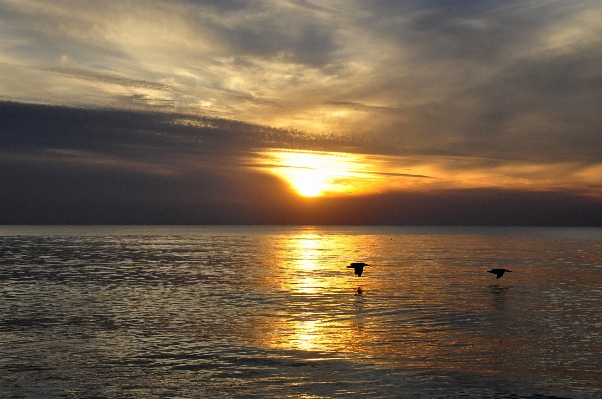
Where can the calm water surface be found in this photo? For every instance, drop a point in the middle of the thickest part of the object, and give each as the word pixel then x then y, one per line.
pixel 203 312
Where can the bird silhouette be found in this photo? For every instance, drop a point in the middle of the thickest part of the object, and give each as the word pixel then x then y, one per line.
pixel 358 267
pixel 499 272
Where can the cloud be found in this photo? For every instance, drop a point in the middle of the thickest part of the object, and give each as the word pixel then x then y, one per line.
pixel 60 194
pixel 148 136
pixel 289 34
pixel 478 94
pixel 73 165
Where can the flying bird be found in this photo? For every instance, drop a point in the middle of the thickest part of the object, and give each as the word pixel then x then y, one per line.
pixel 499 272
pixel 358 267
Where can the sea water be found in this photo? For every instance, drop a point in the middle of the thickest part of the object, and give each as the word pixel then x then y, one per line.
pixel 273 312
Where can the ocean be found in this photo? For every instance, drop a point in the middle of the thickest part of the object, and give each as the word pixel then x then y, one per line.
pixel 273 312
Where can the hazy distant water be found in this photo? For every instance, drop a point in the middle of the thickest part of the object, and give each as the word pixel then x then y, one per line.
pixel 195 312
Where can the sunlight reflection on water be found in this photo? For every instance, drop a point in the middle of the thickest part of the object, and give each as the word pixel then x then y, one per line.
pixel 274 312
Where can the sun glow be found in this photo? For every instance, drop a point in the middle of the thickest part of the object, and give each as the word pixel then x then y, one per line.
pixel 313 174
pixel 316 174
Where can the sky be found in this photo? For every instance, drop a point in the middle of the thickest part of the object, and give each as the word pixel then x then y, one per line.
pixel 403 112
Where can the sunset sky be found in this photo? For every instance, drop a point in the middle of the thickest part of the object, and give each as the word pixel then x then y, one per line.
pixel 470 112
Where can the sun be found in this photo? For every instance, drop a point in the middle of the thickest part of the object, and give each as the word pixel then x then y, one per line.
pixel 309 182
pixel 314 174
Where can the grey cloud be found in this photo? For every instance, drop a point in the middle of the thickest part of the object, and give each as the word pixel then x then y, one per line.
pixel 479 33
pixel 297 35
pixel 61 195
pixel 219 5
pixel 476 78
pixel 82 166
pixel 541 108
pixel 144 135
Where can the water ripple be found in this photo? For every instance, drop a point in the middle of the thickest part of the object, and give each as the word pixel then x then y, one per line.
pixel 273 312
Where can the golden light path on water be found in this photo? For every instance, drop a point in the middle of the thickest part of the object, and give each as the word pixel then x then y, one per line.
pixel 309 269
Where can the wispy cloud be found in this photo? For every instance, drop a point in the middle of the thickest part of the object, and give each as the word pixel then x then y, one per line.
pixel 110 78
